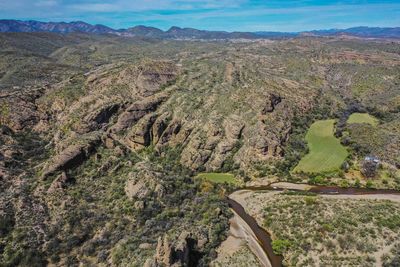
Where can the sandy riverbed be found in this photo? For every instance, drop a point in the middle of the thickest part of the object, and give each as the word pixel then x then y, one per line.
pixel 240 235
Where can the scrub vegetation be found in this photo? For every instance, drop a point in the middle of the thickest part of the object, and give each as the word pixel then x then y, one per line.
pixel 309 230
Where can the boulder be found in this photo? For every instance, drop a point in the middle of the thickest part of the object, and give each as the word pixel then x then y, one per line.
pixel 145 246
pixel 109 143
pixel 137 189
pixel 201 146
pixel 139 205
pixel 58 183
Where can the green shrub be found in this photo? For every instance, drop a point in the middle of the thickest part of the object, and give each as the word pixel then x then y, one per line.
pixel 6 224
pixel 280 246
pixel 310 200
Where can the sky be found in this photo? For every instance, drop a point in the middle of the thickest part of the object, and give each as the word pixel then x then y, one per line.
pixel 229 15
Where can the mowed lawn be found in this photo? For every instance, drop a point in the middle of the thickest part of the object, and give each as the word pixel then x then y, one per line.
pixel 218 177
pixel 326 152
pixel 362 118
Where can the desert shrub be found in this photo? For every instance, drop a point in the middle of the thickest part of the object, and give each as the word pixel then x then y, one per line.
pixel 6 224
pixel 317 179
pixel 310 200
pixel 392 222
pixel 369 184
pixel 280 245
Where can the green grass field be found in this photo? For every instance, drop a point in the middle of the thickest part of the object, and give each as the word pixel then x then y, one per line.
pixel 362 118
pixel 326 153
pixel 218 177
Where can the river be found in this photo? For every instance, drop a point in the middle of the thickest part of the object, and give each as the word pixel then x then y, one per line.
pixel 264 238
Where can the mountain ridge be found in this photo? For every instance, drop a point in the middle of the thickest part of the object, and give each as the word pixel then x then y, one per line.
pixel 174 32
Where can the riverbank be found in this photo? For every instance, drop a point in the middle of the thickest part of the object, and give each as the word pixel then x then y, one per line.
pixel 241 238
pixel 254 201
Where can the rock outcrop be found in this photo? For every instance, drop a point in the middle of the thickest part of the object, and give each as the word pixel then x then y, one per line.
pixel 273 101
pixel 143 183
pixel 100 117
pixel 141 135
pixel 59 183
pixel 73 155
pixel 136 189
pixel 160 125
pixel 137 111
pixel 172 132
pixel 19 111
pixel 181 253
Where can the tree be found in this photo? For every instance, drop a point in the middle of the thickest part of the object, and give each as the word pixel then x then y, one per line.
pixel 280 245
pixel 369 167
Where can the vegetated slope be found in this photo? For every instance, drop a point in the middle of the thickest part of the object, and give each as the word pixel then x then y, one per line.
pixel 100 148
pixel 326 152
pixel 309 229
pixel 26 62
pixel 381 140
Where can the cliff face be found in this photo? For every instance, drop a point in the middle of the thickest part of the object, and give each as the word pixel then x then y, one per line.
pixel 213 118
pixel 98 154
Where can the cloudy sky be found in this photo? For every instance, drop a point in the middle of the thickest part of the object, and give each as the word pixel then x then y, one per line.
pixel 231 15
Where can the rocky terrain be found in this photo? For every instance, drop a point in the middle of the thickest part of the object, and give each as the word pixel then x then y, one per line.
pixel 101 136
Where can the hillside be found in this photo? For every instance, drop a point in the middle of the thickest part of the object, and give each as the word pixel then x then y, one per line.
pixel 102 137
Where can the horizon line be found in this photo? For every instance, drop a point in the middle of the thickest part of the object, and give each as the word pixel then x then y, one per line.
pixel 256 31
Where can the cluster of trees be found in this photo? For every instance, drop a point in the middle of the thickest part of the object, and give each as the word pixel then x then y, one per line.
pixel 353 107
pixel 296 146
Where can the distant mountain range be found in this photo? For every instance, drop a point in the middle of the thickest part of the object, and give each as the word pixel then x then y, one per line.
pixel 59 27
pixel 186 33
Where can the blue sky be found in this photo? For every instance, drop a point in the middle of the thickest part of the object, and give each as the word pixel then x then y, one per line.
pixel 230 15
